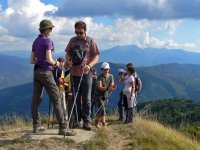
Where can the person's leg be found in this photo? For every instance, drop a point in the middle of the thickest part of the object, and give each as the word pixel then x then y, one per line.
pixel 77 110
pixel 131 115
pixel 47 79
pixel 125 99
pixel 71 115
pixel 86 100
pixel 92 109
pixel 36 100
pixel 63 105
pixel 120 107
pixel 53 93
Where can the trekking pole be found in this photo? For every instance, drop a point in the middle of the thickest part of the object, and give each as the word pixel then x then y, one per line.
pixel 108 97
pixel 103 104
pixel 75 103
pixel 49 114
pixel 75 96
pixel 53 114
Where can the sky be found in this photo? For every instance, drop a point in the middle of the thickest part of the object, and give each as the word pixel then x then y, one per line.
pixel 173 24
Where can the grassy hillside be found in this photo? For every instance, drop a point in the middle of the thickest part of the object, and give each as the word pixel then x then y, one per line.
pixel 181 114
pixel 142 134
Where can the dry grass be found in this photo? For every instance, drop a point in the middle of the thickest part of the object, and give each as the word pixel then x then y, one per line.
pixel 14 121
pixel 145 134
pixel 140 135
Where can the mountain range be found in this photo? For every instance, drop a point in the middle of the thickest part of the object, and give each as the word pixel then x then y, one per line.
pixel 159 82
pixel 148 56
pixel 132 53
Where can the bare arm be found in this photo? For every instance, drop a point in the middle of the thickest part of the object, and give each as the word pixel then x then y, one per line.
pixel 101 87
pixel 94 61
pixel 50 59
pixel 32 58
pixel 111 87
pixel 91 64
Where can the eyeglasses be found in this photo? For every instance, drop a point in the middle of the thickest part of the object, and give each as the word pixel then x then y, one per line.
pixel 78 32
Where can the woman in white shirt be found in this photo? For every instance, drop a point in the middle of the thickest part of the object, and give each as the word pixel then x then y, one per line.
pixel 129 92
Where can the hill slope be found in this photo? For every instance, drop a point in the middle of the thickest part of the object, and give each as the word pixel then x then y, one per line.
pixel 159 82
pixel 14 71
pixel 142 134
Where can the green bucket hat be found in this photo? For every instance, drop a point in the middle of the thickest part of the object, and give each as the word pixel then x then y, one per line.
pixel 46 24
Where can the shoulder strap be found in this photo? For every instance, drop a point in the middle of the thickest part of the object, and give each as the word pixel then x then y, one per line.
pixel 89 40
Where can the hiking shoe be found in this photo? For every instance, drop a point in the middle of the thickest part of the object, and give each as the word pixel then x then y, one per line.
pixel 87 126
pixel 38 129
pixel 67 132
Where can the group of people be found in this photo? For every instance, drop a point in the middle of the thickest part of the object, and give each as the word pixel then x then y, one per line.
pixel 72 84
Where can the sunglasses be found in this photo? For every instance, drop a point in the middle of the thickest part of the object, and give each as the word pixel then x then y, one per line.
pixel 78 32
pixel 106 69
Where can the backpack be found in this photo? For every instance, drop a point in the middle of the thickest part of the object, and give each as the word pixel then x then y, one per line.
pixel 78 53
pixel 138 85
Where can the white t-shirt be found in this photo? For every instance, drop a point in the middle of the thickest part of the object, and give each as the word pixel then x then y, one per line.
pixel 128 83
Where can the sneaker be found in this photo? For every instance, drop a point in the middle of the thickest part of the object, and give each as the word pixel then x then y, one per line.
pixel 38 129
pixel 67 132
pixel 87 126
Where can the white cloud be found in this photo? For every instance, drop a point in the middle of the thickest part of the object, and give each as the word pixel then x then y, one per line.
pixel 168 43
pixel 11 43
pixel 171 26
pixel 22 17
pixel 20 22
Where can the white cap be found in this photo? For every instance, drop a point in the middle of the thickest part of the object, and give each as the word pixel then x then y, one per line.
pixel 105 65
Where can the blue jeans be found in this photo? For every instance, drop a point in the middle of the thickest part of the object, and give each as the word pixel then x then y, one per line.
pixel 83 100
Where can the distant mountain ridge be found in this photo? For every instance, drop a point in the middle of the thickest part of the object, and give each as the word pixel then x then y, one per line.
pixel 132 53
pixel 148 56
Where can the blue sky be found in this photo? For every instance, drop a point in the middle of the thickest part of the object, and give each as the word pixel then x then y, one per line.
pixel 172 24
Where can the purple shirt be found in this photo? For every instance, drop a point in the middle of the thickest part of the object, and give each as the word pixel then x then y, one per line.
pixel 41 44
